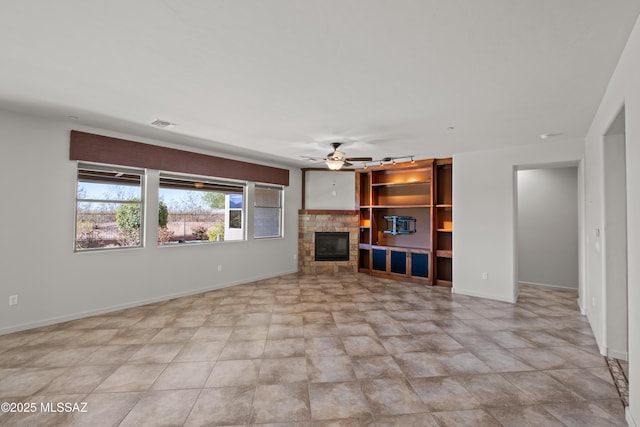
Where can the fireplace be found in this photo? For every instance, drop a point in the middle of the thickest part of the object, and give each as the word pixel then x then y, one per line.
pixel 341 222
pixel 332 246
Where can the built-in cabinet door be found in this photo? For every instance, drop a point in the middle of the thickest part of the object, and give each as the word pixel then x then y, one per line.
pixel 420 265
pixel 402 262
pixel 398 262
pixel 379 261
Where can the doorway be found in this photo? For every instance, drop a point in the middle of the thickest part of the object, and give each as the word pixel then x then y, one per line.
pixel 547 227
pixel 615 240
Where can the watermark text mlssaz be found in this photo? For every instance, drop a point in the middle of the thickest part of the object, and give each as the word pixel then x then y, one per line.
pixel 49 407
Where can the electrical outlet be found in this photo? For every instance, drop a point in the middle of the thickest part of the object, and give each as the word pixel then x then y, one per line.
pixel 485 276
pixel 13 299
pixel 219 267
pixel 295 257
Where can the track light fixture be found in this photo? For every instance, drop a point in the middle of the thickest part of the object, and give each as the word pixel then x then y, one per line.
pixel 391 160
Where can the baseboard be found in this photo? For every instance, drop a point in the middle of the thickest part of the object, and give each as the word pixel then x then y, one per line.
pixel 552 287
pixel 601 349
pixel 582 308
pixel 105 310
pixel 479 295
pixel 630 421
pixel 620 355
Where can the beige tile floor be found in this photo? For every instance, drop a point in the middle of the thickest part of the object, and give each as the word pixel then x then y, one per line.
pixel 317 351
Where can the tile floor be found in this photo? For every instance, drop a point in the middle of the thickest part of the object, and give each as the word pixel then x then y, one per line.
pixel 620 373
pixel 317 351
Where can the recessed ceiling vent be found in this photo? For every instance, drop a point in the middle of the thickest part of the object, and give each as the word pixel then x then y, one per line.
pixel 162 123
pixel 550 135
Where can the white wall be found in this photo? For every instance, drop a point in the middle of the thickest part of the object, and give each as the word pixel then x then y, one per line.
pixel 330 190
pixel 484 214
pixel 547 233
pixel 623 90
pixel 37 182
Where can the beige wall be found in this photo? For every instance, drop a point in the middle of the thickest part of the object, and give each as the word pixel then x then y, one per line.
pixel 37 183
pixel 484 214
pixel 623 91
pixel 330 190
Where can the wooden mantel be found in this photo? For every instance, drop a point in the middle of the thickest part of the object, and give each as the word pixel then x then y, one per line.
pixel 326 212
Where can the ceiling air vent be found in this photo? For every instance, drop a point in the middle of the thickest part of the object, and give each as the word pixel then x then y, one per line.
pixel 162 124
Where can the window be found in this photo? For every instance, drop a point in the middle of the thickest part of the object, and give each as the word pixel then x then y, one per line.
pixel 267 221
pixel 234 207
pixel 108 207
pixel 200 209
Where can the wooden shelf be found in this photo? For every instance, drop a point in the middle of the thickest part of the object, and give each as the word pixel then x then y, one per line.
pixel 399 184
pixel 395 194
pixel 405 172
pixel 400 206
pixel 440 253
pixel 444 206
pixel 445 230
pixel 411 248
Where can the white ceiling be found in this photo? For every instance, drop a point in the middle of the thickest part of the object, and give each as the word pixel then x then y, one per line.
pixel 284 78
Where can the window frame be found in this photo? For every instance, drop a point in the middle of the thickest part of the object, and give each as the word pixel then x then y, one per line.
pixel 118 170
pixel 280 208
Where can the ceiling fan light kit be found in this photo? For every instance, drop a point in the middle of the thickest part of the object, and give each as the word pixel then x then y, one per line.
pixel 334 165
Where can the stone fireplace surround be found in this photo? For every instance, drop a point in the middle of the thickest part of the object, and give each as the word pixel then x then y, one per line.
pixel 310 221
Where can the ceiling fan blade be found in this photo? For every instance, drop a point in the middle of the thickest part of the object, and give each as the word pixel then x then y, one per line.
pixel 347 164
pixel 359 159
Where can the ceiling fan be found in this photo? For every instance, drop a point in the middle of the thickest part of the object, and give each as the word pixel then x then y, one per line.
pixel 336 159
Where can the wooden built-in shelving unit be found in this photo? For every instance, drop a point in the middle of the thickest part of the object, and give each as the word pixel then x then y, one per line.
pixel 421 190
pixel 443 238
